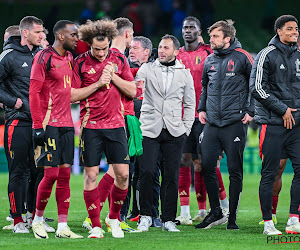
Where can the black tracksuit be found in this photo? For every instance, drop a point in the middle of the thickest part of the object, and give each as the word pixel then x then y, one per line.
pixel 275 84
pixel 225 98
pixel 15 68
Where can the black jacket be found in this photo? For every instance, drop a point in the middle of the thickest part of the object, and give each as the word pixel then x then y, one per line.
pixel 225 95
pixel 15 68
pixel 275 82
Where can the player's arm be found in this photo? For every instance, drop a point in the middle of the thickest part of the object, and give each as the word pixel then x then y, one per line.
pixel 202 102
pixel 83 93
pixel 189 103
pixel 5 97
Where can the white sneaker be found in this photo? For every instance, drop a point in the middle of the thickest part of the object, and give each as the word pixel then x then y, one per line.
pixel 200 215
pixel 269 229
pixel 96 233
pixel 20 228
pixel 170 226
pixel 184 220
pixel 39 230
pixel 67 233
pixel 9 218
pixel 48 228
pixel 294 226
pixel 115 226
pixel 145 223
pixel 8 227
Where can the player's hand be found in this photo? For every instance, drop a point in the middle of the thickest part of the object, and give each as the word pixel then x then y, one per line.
pixel 18 103
pixel 140 85
pixel 202 117
pixel 1 105
pixel 288 119
pixel 104 79
pixel 109 69
pixel 247 118
pixel 39 136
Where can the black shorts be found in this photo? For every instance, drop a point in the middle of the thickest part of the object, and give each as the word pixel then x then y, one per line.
pixel 192 142
pixel 58 148
pixel 95 142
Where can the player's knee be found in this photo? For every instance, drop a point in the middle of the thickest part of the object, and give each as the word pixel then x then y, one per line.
pixel 122 177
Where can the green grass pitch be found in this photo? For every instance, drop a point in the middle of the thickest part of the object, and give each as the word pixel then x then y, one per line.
pixel 248 237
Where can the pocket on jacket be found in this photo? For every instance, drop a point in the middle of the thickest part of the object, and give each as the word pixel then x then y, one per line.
pixel 146 109
pixel 177 112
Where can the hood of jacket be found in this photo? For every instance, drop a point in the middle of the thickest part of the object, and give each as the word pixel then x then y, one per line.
pixel 236 44
pixel 14 42
pixel 283 48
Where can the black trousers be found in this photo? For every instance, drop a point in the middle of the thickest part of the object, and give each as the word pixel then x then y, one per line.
pixel 214 140
pixel 19 153
pixel 170 148
pixel 273 140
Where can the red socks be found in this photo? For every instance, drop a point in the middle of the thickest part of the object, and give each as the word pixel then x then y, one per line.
pixel 274 204
pixel 184 185
pixel 104 188
pixel 92 203
pixel 222 191
pixel 62 194
pixel 117 200
pixel 44 190
pixel 200 190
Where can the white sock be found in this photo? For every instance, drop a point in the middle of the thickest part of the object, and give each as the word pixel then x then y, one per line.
pixel 185 211
pixel 224 203
pixel 38 219
pixel 61 226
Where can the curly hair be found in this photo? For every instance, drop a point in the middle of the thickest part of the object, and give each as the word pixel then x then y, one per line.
pixel 99 29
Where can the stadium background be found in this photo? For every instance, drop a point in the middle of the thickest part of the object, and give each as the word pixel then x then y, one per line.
pixel 254 21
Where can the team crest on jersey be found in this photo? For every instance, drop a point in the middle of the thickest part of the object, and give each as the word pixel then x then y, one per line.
pixel 198 60
pixel 49 157
pixel 230 65
pixel 297 62
pixel 115 67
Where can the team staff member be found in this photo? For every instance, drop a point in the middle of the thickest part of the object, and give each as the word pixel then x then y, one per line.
pixel 102 120
pixel 165 126
pixel 50 98
pixel 193 56
pixel 15 67
pixel 275 81
pixel 225 107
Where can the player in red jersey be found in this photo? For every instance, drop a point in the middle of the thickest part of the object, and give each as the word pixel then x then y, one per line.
pixel 50 96
pixel 193 55
pixel 103 122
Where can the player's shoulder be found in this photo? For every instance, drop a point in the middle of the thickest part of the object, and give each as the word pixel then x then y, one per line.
pixel 82 57
pixel 204 47
pixel 43 55
pixel 117 55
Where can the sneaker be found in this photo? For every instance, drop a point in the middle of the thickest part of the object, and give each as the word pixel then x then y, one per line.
pixel 145 223
pixel 48 228
pixel 274 219
pixel 115 226
pixel 135 218
pixel 232 225
pixel 9 218
pixel 156 222
pixel 87 224
pixel 126 228
pixel 170 226
pixel 212 220
pixel 200 215
pixel 67 233
pixel 294 226
pixel 96 233
pixel 184 220
pixel 39 230
pixel 271 230
pixel 132 215
pixel 8 227
pixel 20 228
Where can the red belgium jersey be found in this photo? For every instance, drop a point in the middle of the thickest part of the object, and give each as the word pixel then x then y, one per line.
pixel 53 74
pixel 101 110
pixel 194 61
